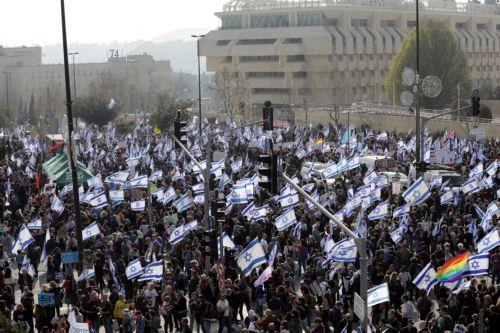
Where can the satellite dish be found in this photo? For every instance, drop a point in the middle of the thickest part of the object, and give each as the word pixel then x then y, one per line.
pixel 431 86
pixel 406 98
pixel 408 76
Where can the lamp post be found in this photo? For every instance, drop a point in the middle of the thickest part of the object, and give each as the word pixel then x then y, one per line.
pixel 74 176
pixel 73 54
pixel 417 91
pixel 199 79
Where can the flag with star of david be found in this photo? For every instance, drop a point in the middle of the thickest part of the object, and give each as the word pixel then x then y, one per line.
pixel 91 231
pixel 379 212
pixel 99 200
pixel 259 213
pixel 477 265
pixel 417 193
pixel 397 235
pixel 470 187
pixel 285 220
pixel 489 242
pixel 343 251
pixel 138 206
pixel 251 257
pixel 134 268
pixel 85 275
pixel 177 235
pixel 426 278
pixel 153 271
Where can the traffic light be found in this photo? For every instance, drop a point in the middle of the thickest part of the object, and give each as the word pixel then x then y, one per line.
pixel 270 170
pixel 209 243
pixel 475 105
pixel 180 131
pixel 213 184
pixel 267 116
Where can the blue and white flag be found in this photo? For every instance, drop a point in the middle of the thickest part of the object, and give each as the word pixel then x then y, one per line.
pixel 153 271
pixel 447 197
pixel 492 210
pixel 272 255
pixel 379 212
pixel 330 172
pixel 112 270
pixel 183 203
pixel 45 254
pixel 437 227
pixel 35 224
pixel 116 195
pixel 138 205
pixel 479 212
pixel 426 278
pixel 436 181
pixel 159 194
pixel 86 274
pixel 247 211
pixel 99 200
pixel 90 231
pixel 237 165
pixel 381 137
pixel 57 205
pixel 226 242
pixel 370 178
pixel 198 188
pixel 239 194
pixel 119 177
pixel 224 180
pixel 251 257
pixel 177 235
pixel 477 171
pixel 378 294
pixel 308 187
pixel 492 168
pixel 417 193
pixel 169 195
pixel 297 230
pixel 290 201
pixel 397 235
pixel 477 265
pixel 134 268
pixel 133 161
pixel 66 190
pixel 24 239
pixel 95 181
pixel 473 230
pixel 470 187
pixel 489 242
pixel 343 251
pixel 259 213
pixel 137 182
pixel 285 220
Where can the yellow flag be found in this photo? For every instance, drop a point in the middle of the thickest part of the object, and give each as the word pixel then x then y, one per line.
pixel 156 130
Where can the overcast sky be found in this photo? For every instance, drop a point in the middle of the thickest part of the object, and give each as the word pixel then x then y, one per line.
pixel 38 22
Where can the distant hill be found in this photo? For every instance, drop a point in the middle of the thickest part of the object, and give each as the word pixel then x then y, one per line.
pixel 181 53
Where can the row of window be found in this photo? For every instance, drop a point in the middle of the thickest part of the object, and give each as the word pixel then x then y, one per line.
pixel 301 58
pixel 278 91
pixel 273 58
pixel 277 75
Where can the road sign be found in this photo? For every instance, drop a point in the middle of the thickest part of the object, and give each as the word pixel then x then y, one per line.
pixel 475 92
pixel 46 299
pixel 69 257
pixel 359 306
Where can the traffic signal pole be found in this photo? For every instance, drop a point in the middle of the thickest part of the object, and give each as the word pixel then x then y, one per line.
pixel 360 245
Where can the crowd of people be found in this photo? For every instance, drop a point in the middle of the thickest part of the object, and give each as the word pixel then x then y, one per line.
pixel 299 285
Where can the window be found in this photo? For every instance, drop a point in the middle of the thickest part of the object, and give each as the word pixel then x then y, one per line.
pixel 331 22
pixel 310 18
pixel 304 91
pixel 269 21
pixel 266 74
pixel 498 26
pixel 256 41
pixel 293 41
pixel 228 59
pixel 270 91
pixel 411 24
pixel 299 75
pixel 481 26
pixel 295 58
pixel 341 58
pixel 351 58
pixel 232 22
pixel 223 42
pixel 271 58
pixel 459 25
pixel 359 23
pixel 387 23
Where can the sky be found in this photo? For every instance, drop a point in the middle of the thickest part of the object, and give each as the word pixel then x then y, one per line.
pixel 38 22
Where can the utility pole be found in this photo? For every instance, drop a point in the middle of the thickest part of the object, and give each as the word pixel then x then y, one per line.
pixel 199 80
pixel 458 96
pixel 7 88
pixel 416 90
pixel 74 80
pixel 74 175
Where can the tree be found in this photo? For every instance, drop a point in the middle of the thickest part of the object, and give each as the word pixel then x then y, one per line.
pixel 94 109
pixel 167 106
pixel 4 116
pixel 440 55
pixel 228 89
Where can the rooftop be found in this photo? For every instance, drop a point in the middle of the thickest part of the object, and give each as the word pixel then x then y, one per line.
pixel 425 5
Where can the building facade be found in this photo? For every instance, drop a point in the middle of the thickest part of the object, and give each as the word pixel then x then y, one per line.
pixel 136 80
pixel 327 52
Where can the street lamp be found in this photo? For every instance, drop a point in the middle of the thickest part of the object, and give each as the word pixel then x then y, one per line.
pixel 418 123
pixel 199 78
pixel 74 80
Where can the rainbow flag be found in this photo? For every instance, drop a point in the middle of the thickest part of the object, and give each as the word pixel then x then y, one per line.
pixel 319 143
pixel 453 269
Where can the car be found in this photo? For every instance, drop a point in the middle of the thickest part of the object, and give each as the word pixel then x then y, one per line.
pixel 317 169
pixel 396 177
pixel 379 163
pixel 452 179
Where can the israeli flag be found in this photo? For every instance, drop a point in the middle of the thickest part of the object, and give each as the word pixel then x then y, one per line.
pixel 198 188
pixel 95 181
pixel 159 194
pixel 251 257
pixel 133 161
pixel 224 180
pixel 470 187
pixel 382 136
pixel 35 224
pixel 489 242
pixel 343 251
pixel 447 197
pixel 370 178
pixel 134 268
pixel 488 215
pixel 112 270
pixel 24 239
pixel 290 201
pixel 473 230
pixel 116 195
pixel 477 265
pixel 118 177
pixel 285 220
pixel 44 255
pixel 247 211
pixel 437 227
pixel 137 182
pixel 239 194
pixel 259 214
pixel 352 163
pixel 99 200
pixel 156 175
pixel 86 274
pixel 237 165
pixel 177 235
pixel 417 193
pixel 169 195
pixel 183 203
pixel 378 294
pixel 138 206
pixel 57 205
pixel 297 230
pixel 66 190
pixel 330 172
pixel 90 231
pixel 477 171
pixel 479 212
pixel 436 181
pixel 381 181
pixel 492 168
pixel 397 235
pixel 379 212
pixel 425 280
pixel 226 242
pixel 308 187
pixel 153 271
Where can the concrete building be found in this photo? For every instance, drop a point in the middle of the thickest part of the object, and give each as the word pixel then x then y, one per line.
pixel 337 51
pixel 136 80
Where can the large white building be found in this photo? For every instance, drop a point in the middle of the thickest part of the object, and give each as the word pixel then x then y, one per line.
pixel 337 51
